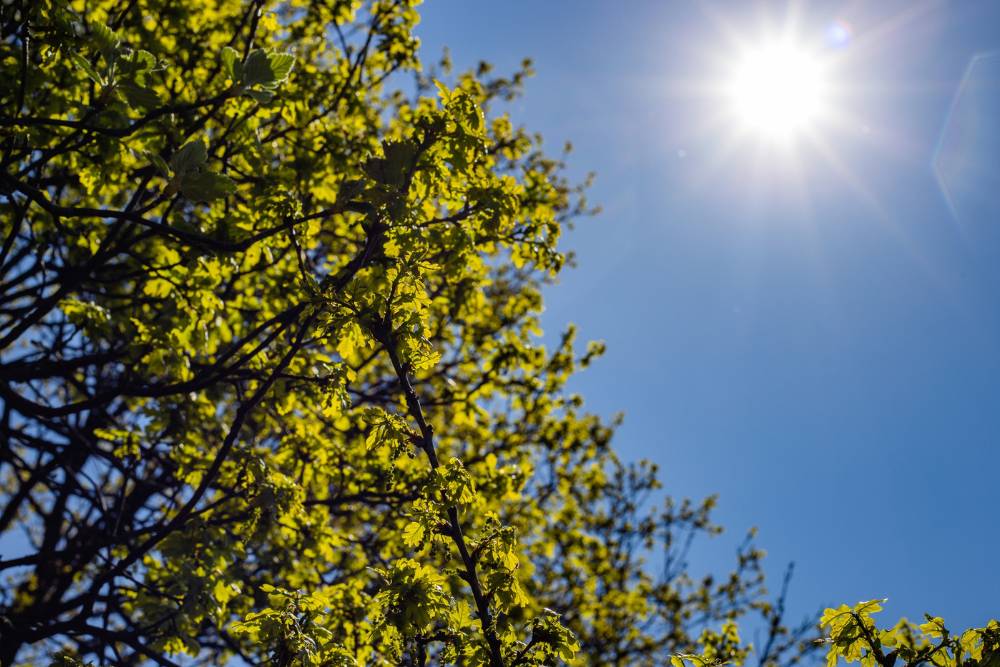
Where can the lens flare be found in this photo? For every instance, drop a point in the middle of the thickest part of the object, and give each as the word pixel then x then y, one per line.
pixel 839 34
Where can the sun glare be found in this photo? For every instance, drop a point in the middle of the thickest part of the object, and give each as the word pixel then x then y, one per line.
pixel 777 91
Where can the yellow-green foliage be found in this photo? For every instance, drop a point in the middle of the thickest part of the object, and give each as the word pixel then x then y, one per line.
pixel 853 636
pixel 270 361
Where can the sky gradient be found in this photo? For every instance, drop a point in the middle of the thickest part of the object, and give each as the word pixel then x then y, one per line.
pixel 811 331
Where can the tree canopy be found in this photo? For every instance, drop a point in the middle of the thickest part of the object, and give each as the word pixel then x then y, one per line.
pixel 272 377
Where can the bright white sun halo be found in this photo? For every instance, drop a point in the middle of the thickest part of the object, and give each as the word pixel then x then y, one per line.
pixel 777 91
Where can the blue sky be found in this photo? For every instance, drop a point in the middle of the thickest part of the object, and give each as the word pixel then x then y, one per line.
pixel 810 329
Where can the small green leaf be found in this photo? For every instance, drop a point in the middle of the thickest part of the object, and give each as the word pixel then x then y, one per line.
pixel 413 534
pixel 139 96
pixel 229 59
pixel 82 63
pixel 281 65
pixel 144 60
pixel 189 157
pixel 392 169
pixel 135 66
pixel 206 186
pixel 350 189
pixel 157 287
pixel 106 38
pixel 158 162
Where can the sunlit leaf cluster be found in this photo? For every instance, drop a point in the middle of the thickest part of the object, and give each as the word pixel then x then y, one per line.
pixel 274 388
pixel 853 636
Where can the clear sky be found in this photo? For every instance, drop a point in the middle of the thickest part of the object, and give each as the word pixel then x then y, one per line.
pixel 807 322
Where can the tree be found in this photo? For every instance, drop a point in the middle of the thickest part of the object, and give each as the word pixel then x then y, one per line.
pixel 854 637
pixel 270 367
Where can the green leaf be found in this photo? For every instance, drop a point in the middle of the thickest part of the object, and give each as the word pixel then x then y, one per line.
pixel 139 96
pixel 350 189
pixel 82 63
pixel 158 162
pixel 229 59
pixel 262 96
pixel 443 92
pixel 144 60
pixel 157 287
pixel 413 534
pixel 399 156
pixel 206 186
pixel 257 69
pixel 392 169
pixel 106 38
pixel 189 157
pixel 266 69
pixel 137 65
pixel 281 65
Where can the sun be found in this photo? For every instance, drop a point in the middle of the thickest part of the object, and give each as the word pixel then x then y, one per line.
pixel 777 91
